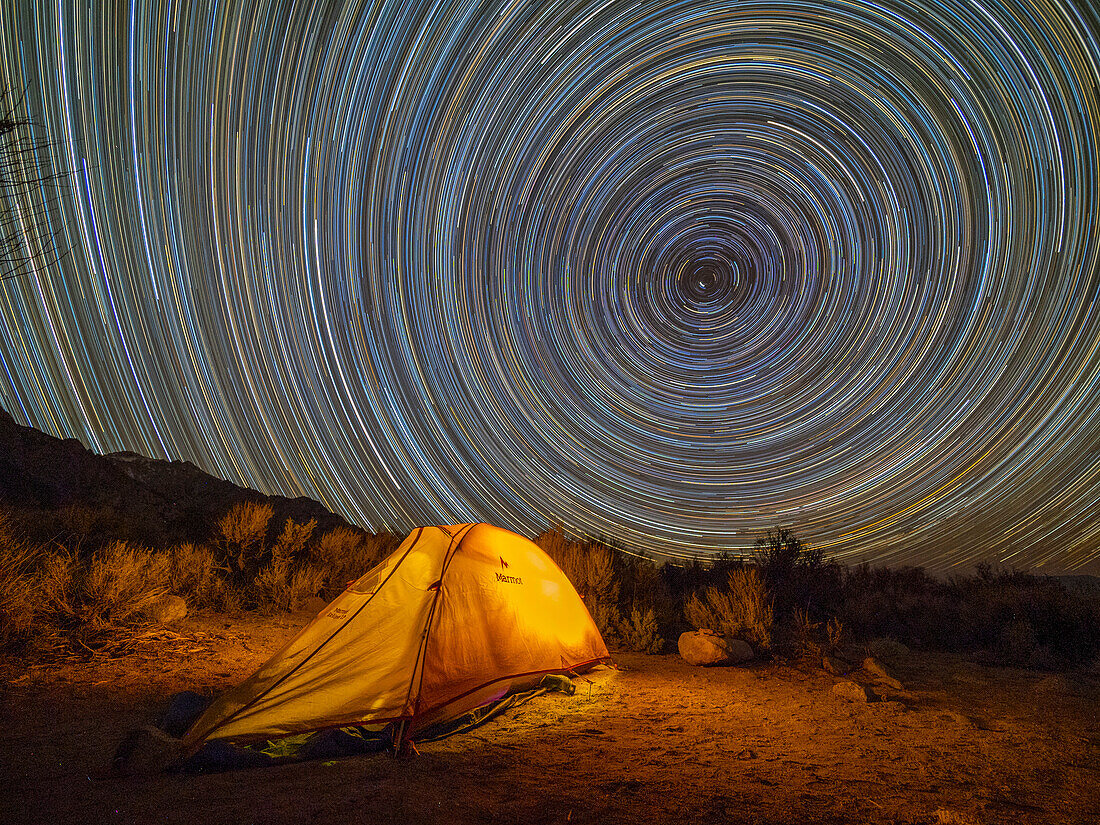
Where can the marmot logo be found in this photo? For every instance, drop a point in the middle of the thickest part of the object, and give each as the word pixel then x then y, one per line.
pixel 509 579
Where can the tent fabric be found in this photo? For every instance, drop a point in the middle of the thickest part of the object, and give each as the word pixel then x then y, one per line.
pixel 456 617
pixel 218 755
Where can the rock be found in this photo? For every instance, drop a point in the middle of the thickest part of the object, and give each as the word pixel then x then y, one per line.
pixel 880 674
pixel 145 751
pixel 740 651
pixel 888 649
pixel 835 665
pixel 705 647
pixel 854 692
pixel 166 609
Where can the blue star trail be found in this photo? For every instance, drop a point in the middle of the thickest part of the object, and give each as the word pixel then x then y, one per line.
pixel 672 273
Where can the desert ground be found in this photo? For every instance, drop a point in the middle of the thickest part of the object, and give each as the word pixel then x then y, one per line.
pixel 656 740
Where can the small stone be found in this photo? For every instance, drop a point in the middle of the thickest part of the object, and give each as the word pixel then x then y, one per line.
pixel 854 692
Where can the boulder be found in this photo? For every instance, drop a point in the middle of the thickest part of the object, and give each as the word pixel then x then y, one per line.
pixel 705 647
pixel 166 609
pixel 854 692
pixel 880 674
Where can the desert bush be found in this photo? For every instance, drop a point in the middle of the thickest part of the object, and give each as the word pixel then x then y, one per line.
pixel 294 539
pixel 281 587
pixel 242 535
pixel 740 610
pixel 566 554
pixel 903 603
pixel 601 573
pixel 1006 618
pixel 81 601
pixel 609 621
pixel 197 577
pixel 1018 619
pixel 344 554
pixel 287 580
pixel 797 576
pixel 641 632
pixel 20 601
pixel 815 640
pixel 119 583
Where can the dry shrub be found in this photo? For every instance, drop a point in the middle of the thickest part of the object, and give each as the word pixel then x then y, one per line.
pixel 608 621
pixel 279 587
pixel 284 583
pixel 834 635
pixel 741 610
pixel 345 554
pixel 20 600
pixel 641 633
pixel 242 533
pixel 592 567
pixel 815 640
pixel 601 574
pixel 566 554
pixel 119 584
pixel 197 577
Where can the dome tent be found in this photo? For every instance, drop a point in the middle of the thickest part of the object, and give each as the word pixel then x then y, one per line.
pixel 456 617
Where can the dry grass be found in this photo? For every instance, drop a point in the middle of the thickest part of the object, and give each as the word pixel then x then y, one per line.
pixel 200 580
pixel 344 554
pixel 20 601
pixel 641 633
pixel 242 533
pixel 740 610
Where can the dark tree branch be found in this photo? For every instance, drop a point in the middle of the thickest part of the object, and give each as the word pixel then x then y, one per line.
pixel 29 193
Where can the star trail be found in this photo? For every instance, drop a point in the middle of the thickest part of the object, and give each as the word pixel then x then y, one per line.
pixel 671 273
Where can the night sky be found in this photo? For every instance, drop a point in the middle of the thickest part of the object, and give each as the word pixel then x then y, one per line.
pixel 668 272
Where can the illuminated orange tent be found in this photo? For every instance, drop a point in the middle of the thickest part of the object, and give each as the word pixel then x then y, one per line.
pixel 454 618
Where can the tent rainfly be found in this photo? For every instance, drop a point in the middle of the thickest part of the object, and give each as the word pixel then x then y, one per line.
pixel 456 617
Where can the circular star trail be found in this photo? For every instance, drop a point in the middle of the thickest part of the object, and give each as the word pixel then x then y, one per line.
pixel 672 273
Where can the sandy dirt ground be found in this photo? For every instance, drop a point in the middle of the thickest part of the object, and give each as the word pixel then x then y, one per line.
pixel 656 741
